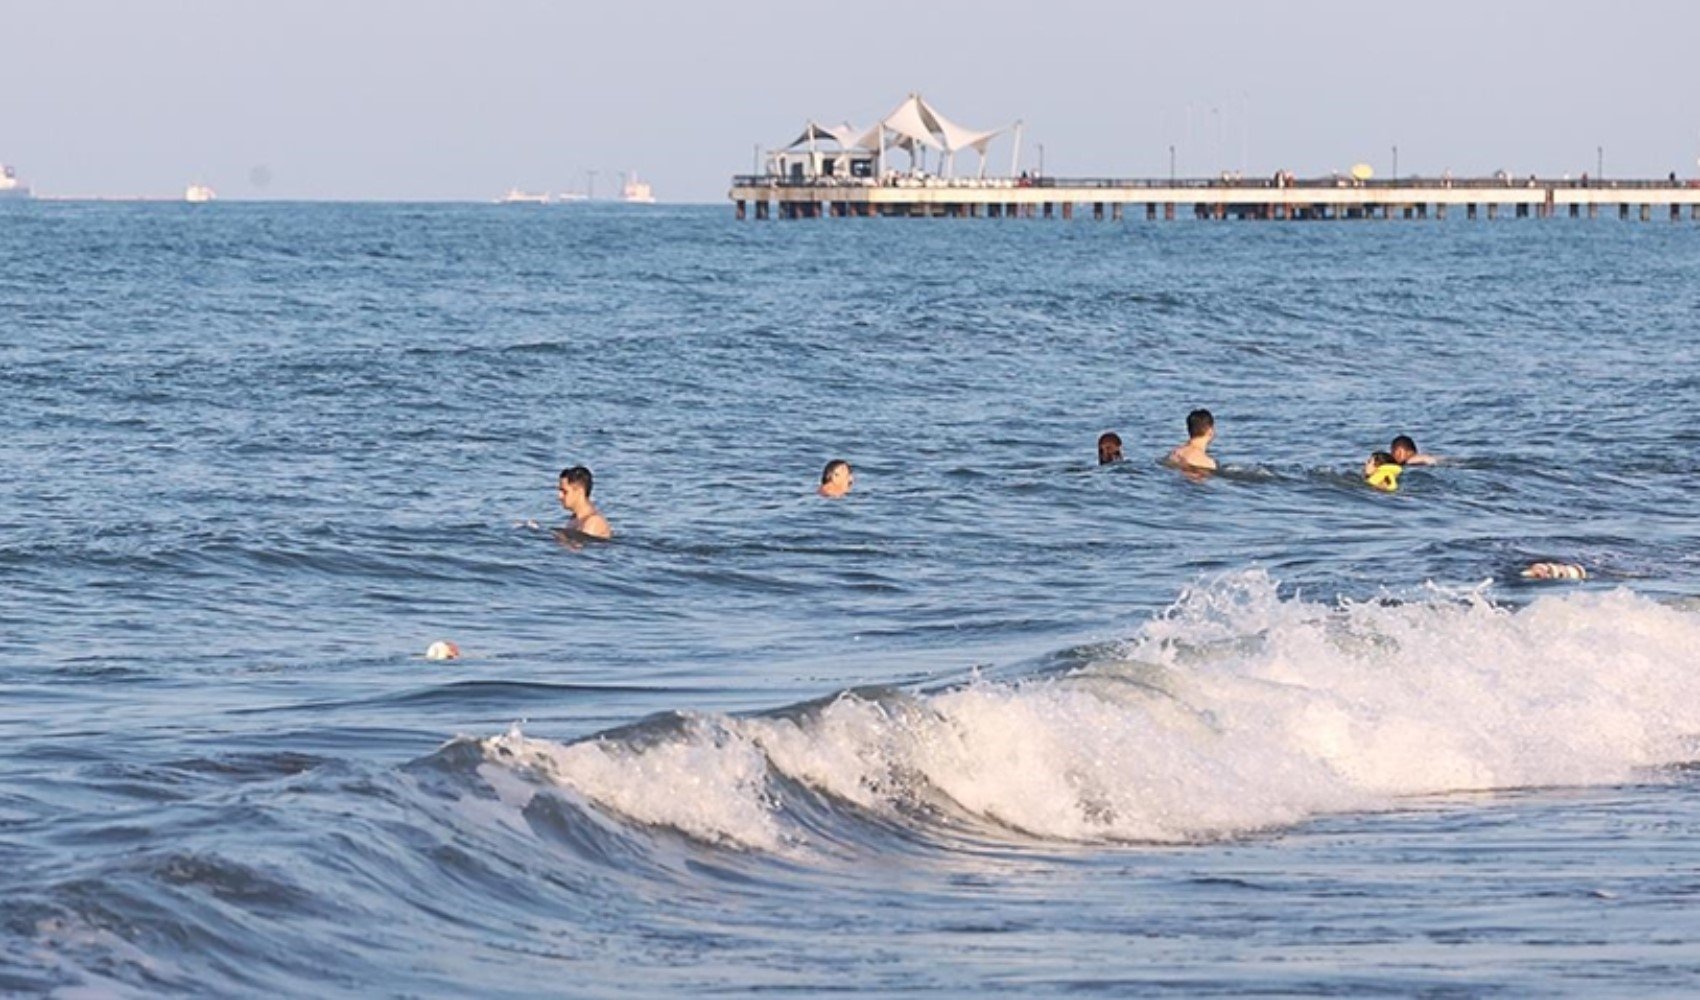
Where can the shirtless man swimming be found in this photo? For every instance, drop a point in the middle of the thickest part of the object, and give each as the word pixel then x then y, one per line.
pixel 1109 448
pixel 1200 430
pixel 836 479
pixel 1404 452
pixel 575 498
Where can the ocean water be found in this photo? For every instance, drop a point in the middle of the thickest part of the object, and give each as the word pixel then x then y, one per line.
pixel 1000 721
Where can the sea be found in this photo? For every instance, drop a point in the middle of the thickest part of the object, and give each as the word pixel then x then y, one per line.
pixel 1000 721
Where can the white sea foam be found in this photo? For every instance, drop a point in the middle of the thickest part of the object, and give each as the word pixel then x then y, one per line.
pixel 1236 710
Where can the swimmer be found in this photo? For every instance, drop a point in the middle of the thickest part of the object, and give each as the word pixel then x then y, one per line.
pixel 1201 430
pixel 1382 472
pixel 1404 452
pixel 1109 448
pixel 1553 571
pixel 836 479
pixel 586 520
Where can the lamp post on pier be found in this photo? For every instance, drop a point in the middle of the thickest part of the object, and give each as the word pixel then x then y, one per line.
pixel 1395 161
pixel 1171 164
pixel 1600 162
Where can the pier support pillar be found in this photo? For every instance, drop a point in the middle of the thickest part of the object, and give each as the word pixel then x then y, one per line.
pixel 1676 213
pixel 1694 213
pixel 1575 210
pixel 1623 211
pixel 1169 211
pixel 1047 210
pixel 1116 212
pixel 1151 211
pixel 1422 210
pixel 1068 209
pixel 1470 210
pixel 761 209
pixel 740 210
pixel 1440 210
pixel 1593 210
pixel 1646 212
pixel 1522 210
pixel 1493 210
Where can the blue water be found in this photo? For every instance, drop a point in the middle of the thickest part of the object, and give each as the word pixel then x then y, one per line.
pixel 999 721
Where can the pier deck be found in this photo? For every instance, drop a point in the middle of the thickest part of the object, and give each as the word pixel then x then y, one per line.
pixel 1329 198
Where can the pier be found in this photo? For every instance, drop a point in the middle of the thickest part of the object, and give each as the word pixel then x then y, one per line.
pixel 1281 197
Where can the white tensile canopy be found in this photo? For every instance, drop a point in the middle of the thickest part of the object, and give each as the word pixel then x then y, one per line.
pixel 914 126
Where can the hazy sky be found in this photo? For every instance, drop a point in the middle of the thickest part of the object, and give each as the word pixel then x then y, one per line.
pixel 437 99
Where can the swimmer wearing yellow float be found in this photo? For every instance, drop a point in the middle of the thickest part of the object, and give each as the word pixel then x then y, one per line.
pixel 1382 472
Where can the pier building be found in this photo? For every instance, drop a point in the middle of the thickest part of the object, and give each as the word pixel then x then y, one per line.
pixel 904 165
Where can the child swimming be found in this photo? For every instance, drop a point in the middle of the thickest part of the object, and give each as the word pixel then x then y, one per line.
pixel 1382 472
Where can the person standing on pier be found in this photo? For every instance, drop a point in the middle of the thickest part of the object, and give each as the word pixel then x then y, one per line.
pixel 1194 455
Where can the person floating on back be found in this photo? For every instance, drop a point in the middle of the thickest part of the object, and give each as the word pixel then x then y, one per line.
pixel 1382 472
pixel 1109 448
pixel 1404 452
pixel 1554 571
pixel 586 520
pixel 836 479
pixel 1194 455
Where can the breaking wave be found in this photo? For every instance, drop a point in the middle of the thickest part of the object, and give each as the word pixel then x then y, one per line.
pixel 1237 710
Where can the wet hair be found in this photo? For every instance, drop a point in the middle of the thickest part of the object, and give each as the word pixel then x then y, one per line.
pixel 1109 447
pixel 579 476
pixel 1403 443
pixel 831 467
pixel 1382 458
pixel 1198 422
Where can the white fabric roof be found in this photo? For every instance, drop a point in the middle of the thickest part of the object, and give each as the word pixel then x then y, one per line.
pixel 915 123
pixel 844 135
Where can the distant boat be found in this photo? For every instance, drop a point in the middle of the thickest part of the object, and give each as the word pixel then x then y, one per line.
pixel 517 197
pixel 10 186
pixel 637 192
pixel 572 196
pixel 198 193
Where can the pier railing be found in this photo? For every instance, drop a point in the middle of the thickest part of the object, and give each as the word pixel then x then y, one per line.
pixel 1206 183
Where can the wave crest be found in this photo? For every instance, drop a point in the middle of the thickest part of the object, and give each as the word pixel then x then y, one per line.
pixel 1234 711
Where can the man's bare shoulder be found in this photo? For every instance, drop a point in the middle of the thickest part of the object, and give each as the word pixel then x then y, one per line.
pixel 1186 457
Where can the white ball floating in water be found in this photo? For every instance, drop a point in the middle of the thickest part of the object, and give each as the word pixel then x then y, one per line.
pixel 442 650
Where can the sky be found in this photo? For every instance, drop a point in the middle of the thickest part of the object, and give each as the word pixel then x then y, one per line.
pixel 452 100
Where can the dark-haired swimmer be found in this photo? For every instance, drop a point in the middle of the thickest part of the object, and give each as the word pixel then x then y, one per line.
pixel 836 479
pixel 1382 472
pixel 575 486
pixel 1404 451
pixel 1109 448
pixel 1194 455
